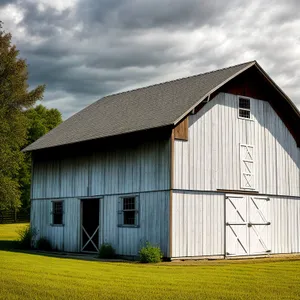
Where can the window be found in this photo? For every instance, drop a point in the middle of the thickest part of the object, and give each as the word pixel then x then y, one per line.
pixel 57 213
pixel 128 211
pixel 244 108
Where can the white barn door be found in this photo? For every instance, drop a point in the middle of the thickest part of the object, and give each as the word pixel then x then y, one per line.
pixel 247 166
pixel 247 225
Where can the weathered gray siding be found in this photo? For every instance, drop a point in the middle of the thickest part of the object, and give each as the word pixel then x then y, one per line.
pixel 154 224
pixel 210 159
pixel 153 216
pixel 197 224
pixel 128 170
pixel 67 237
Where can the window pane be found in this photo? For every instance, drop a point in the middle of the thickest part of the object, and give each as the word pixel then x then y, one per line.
pixel 244 103
pixel 129 217
pixel 128 203
pixel 57 219
pixel 57 213
pixel 244 113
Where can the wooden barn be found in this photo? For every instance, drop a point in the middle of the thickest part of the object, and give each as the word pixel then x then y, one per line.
pixel 207 165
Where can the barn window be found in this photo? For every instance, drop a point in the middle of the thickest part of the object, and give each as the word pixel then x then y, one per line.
pixel 244 108
pixel 57 213
pixel 128 211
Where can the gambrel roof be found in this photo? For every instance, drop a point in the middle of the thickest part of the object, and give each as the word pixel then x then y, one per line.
pixel 159 105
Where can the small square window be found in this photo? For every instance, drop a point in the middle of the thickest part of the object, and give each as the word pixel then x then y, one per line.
pixel 128 211
pixel 244 108
pixel 57 213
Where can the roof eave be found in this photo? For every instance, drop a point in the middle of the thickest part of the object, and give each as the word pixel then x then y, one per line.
pixel 213 90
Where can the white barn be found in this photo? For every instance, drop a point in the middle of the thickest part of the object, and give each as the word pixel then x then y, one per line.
pixel 207 165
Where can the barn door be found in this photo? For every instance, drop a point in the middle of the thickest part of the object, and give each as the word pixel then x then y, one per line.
pixel 89 225
pixel 247 225
pixel 259 224
pixel 237 240
pixel 247 166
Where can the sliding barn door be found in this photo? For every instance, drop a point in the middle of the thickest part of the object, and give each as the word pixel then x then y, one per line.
pixel 247 225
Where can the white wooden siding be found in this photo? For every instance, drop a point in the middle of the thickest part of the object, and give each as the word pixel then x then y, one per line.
pixel 129 170
pixel 210 160
pixel 285 224
pixel 197 224
pixel 65 238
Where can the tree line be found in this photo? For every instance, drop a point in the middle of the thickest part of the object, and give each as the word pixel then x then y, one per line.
pixel 22 122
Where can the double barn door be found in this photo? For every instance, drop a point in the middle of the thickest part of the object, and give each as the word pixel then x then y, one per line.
pixel 247 225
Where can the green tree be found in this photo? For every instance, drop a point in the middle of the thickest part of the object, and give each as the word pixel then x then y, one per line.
pixel 40 120
pixel 15 97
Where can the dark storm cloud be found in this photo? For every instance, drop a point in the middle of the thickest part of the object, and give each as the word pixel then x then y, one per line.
pixel 6 2
pixel 46 22
pixel 93 48
pixel 128 14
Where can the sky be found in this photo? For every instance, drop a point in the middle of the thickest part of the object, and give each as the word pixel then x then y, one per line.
pixel 86 49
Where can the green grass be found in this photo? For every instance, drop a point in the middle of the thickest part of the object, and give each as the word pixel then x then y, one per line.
pixel 32 276
pixel 8 235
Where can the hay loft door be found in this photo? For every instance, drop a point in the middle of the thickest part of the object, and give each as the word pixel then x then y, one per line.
pixel 247 225
pixel 89 225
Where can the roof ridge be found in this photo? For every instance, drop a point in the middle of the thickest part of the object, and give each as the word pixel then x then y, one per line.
pixel 177 79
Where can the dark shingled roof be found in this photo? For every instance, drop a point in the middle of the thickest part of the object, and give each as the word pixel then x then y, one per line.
pixel 144 108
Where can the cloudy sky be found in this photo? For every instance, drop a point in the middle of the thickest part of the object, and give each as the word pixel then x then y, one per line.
pixel 85 49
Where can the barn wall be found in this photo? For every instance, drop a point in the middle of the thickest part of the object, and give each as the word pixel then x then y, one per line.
pixel 285 225
pixel 210 159
pixel 127 170
pixel 197 224
pixel 65 238
pixel 154 224
pixel 153 220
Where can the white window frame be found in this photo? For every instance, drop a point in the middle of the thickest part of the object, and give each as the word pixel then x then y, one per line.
pixel 121 211
pixel 52 212
pixel 245 109
pixel 243 175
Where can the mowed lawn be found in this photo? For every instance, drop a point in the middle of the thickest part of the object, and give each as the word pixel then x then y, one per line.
pixel 33 276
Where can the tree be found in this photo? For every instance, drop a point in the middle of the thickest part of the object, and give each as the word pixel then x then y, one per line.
pixel 14 99
pixel 40 120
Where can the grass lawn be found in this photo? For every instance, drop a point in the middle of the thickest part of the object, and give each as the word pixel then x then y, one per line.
pixel 32 276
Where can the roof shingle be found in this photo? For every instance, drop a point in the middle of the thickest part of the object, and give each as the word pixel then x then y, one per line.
pixel 144 108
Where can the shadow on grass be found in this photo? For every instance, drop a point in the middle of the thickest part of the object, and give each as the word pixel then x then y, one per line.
pixel 14 246
pixel 8 245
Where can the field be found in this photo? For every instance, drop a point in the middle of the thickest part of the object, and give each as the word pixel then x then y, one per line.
pixel 33 276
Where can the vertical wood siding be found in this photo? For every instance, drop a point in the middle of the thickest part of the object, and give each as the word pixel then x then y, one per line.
pixel 198 224
pixel 128 170
pixel 153 220
pixel 285 225
pixel 64 238
pixel 210 159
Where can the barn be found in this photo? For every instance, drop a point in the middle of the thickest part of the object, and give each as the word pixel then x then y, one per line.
pixel 204 166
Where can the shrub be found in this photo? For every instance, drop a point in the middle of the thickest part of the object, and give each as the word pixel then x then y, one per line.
pixel 26 237
pixel 107 251
pixel 43 244
pixel 150 254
